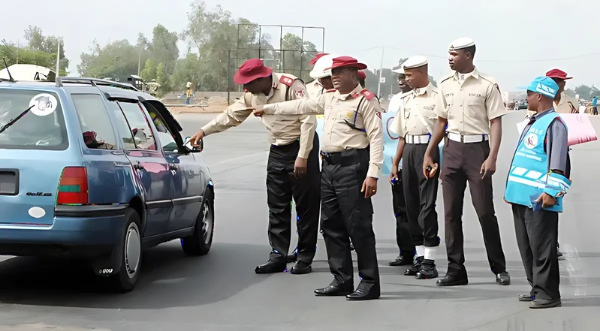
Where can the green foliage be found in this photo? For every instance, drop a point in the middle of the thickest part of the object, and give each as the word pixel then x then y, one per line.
pixel 40 50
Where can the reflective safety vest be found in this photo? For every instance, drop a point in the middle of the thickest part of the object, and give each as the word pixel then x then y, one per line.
pixel 529 174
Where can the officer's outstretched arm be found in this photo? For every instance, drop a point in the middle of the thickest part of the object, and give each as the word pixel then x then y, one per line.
pixel 233 116
pixel 296 107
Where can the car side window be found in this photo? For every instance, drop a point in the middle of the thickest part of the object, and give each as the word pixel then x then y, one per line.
pixel 123 127
pixel 94 121
pixel 140 128
pixel 167 141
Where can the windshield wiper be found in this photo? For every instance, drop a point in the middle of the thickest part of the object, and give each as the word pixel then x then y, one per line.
pixel 11 122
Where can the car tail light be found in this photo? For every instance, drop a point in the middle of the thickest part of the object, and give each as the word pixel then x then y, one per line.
pixel 73 187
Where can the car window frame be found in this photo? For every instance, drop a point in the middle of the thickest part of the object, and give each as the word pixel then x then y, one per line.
pixel 148 122
pixel 180 147
pixel 117 144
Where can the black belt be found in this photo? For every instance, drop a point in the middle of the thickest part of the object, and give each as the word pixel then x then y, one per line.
pixel 347 157
pixel 284 147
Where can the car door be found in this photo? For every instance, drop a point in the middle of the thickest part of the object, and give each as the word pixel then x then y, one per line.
pixel 150 166
pixel 186 175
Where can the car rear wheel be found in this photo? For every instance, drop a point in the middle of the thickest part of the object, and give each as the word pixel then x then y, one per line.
pixel 200 241
pixel 131 254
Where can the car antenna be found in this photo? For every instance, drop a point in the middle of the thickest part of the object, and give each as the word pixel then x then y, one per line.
pixel 9 75
pixel 57 75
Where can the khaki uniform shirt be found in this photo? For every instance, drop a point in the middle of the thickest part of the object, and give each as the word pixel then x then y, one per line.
pixel 567 104
pixel 418 112
pixel 282 130
pixel 315 89
pixel 337 134
pixel 469 102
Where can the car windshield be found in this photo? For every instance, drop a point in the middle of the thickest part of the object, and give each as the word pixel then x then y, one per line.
pixel 40 127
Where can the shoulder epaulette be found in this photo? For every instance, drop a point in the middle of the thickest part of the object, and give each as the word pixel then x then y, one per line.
pixel 286 80
pixel 367 94
pixel 448 76
pixel 330 90
pixel 488 78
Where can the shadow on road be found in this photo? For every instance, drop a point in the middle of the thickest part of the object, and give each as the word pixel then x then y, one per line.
pixel 169 279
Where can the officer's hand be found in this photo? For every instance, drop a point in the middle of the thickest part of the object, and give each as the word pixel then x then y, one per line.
pixel 394 173
pixel 195 140
pixel 259 111
pixel 547 200
pixel 488 167
pixel 300 167
pixel 428 162
pixel 369 187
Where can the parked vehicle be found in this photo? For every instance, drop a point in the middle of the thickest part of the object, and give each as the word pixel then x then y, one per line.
pixel 97 173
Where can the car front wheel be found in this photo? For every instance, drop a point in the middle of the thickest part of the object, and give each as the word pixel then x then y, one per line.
pixel 200 241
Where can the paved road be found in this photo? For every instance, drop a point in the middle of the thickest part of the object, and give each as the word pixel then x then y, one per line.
pixel 221 292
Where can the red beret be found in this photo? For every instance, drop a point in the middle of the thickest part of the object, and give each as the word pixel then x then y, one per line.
pixel 347 62
pixel 557 73
pixel 250 70
pixel 316 58
pixel 362 75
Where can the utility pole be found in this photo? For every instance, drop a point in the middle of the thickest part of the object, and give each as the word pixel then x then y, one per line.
pixel 380 72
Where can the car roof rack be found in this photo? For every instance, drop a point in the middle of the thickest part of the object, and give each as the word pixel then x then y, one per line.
pixel 96 82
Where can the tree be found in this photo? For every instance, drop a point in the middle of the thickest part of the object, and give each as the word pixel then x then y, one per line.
pixel 47 44
pixel 114 60
pixel 162 79
pixel 293 58
pixel 149 72
pixel 163 48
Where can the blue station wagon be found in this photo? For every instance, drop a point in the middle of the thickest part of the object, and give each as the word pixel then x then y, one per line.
pixel 96 172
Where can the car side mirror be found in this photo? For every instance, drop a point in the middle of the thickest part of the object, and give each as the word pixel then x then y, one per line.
pixel 192 149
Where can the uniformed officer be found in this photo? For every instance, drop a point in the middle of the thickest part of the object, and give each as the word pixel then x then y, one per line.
pixel 362 77
pixel 352 158
pixel 416 121
pixel 315 87
pixel 535 187
pixel 563 103
pixel 404 241
pixel 293 165
pixel 473 110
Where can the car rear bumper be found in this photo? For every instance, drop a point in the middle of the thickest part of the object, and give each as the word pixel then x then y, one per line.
pixel 77 231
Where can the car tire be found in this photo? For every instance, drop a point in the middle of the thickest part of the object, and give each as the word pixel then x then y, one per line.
pixel 200 241
pixel 131 254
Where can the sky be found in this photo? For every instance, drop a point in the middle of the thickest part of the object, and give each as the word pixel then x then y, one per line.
pixel 517 40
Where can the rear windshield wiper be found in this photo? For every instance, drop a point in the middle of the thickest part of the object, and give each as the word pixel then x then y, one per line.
pixel 11 122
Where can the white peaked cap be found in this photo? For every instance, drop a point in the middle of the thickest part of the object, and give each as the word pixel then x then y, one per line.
pixel 322 67
pixel 461 43
pixel 415 62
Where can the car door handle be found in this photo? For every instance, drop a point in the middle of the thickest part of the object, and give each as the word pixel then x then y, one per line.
pixel 138 166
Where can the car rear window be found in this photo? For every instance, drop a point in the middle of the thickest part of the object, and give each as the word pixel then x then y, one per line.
pixel 40 127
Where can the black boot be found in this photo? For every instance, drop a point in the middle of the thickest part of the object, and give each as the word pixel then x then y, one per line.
pixel 427 271
pixel 412 271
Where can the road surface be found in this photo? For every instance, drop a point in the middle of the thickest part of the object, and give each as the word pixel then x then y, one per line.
pixel 221 291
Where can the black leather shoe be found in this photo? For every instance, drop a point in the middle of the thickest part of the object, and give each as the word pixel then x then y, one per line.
pixel 270 267
pixel 365 292
pixel 427 271
pixel 527 297
pixel 412 271
pixel 503 278
pixel 453 280
pixel 541 303
pixel 301 268
pixel 402 260
pixel 291 258
pixel 335 290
